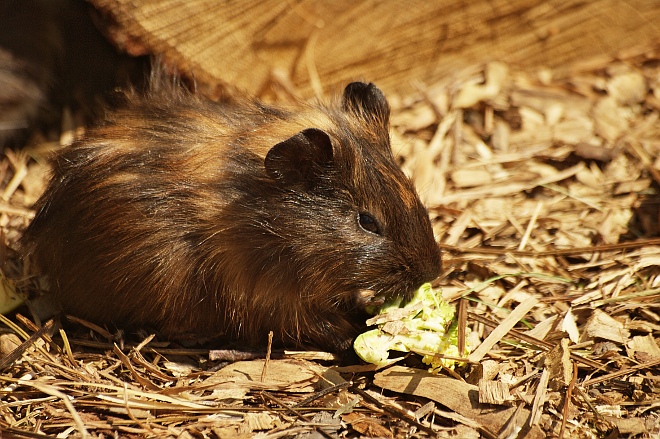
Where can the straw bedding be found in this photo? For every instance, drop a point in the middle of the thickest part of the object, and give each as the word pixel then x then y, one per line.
pixel 543 190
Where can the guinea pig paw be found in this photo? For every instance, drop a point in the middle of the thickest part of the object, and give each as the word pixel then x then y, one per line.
pixel 368 299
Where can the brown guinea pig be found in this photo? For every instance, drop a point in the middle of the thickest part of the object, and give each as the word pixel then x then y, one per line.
pixel 196 217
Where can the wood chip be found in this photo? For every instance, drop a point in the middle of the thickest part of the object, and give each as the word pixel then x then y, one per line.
pixel 601 325
pixel 509 322
pixel 494 392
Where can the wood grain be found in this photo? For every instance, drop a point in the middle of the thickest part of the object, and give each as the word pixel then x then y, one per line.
pixel 394 43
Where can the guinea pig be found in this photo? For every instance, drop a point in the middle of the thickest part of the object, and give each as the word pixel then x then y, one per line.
pixel 196 217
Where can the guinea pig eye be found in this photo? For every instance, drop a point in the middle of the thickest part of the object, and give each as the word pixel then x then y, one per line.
pixel 368 223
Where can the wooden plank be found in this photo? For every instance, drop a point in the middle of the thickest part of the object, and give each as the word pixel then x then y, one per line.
pixel 394 43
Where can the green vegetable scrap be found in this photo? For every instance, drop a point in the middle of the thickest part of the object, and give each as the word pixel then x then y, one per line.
pixel 425 325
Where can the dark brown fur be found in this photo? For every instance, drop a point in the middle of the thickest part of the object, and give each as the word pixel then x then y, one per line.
pixel 203 218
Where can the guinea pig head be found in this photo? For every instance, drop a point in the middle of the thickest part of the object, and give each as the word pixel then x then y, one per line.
pixel 359 231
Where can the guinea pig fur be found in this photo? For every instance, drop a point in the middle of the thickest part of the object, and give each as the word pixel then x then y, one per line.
pixel 195 217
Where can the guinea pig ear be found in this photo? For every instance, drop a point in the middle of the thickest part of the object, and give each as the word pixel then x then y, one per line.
pixel 298 159
pixel 367 102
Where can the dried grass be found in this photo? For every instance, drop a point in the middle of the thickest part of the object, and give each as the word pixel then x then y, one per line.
pixel 545 197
